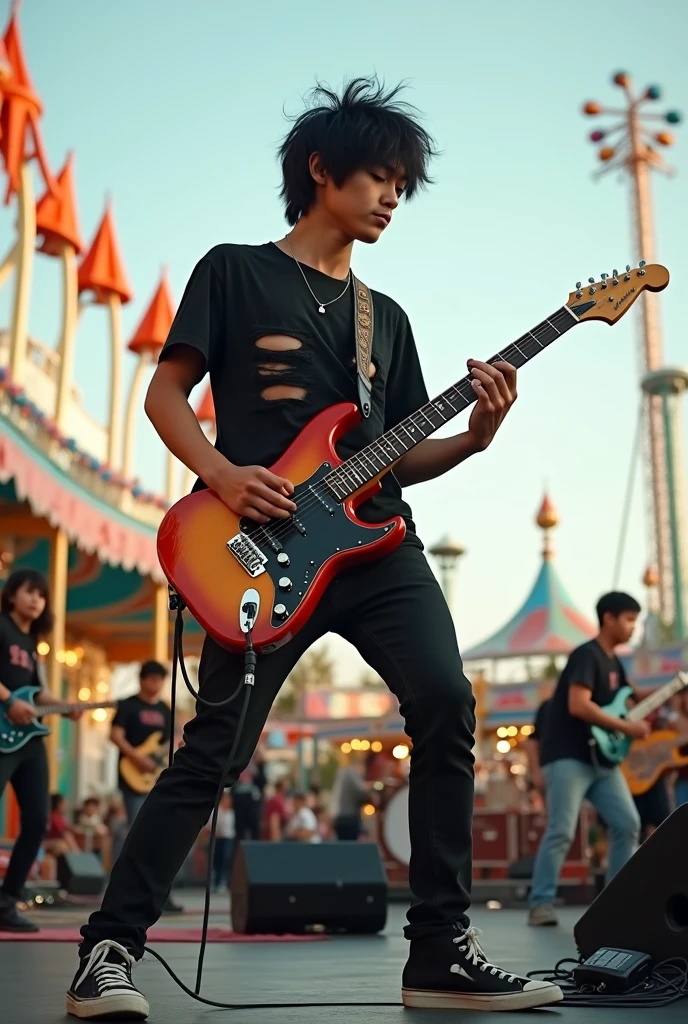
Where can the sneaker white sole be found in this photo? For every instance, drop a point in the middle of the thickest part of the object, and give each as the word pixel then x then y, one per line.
pixel 421 999
pixel 122 1006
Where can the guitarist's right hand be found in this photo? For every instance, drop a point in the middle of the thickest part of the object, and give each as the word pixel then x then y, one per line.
pixel 144 764
pixel 20 712
pixel 636 730
pixel 253 491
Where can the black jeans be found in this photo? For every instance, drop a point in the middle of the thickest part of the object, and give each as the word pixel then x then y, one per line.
pixel 394 612
pixel 27 770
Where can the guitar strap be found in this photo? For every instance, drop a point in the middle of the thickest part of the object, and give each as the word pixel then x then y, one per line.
pixel 363 308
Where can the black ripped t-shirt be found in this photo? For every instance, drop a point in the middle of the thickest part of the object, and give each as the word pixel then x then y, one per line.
pixel 241 302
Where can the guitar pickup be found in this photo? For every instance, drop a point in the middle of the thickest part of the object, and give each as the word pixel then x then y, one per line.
pixel 248 555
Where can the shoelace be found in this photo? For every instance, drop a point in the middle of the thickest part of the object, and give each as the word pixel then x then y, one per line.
pixel 107 973
pixel 470 946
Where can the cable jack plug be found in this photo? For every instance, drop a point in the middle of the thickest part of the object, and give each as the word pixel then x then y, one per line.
pixel 250 660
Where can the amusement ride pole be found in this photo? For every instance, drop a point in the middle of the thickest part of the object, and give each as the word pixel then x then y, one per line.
pixel 634 151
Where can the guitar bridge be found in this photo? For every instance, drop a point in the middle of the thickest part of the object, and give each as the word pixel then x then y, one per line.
pixel 248 555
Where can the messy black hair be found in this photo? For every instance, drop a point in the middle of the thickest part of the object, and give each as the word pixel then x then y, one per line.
pixel 615 603
pixel 364 126
pixel 36 581
pixel 152 668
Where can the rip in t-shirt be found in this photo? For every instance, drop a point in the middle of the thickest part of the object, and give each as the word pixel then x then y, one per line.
pixel 281 367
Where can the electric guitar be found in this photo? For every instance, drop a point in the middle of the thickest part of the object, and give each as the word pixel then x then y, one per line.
pixel 13 737
pixel 648 759
pixel 143 782
pixel 236 575
pixel 612 746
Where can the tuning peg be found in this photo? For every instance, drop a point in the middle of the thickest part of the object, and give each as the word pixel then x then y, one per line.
pixel 604 279
pixel 628 267
pixel 642 263
pixel 591 280
pixel 578 284
pixel 615 273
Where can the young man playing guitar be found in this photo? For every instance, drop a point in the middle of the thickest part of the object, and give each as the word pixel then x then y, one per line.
pixel 568 765
pixel 136 720
pixel 274 326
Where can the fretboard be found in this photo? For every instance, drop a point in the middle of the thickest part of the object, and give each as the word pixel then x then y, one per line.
pixel 380 456
pixel 655 700
pixel 67 709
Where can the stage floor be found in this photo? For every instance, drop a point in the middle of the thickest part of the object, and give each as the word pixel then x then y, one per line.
pixel 33 976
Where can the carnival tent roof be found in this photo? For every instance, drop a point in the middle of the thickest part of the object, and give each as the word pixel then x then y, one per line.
pixel 548 622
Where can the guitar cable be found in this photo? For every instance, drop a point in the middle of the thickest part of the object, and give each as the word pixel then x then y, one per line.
pixel 667 983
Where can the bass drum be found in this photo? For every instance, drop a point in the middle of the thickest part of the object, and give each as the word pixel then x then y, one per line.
pixel 394 835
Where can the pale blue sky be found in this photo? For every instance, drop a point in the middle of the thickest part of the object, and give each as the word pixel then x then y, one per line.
pixel 175 108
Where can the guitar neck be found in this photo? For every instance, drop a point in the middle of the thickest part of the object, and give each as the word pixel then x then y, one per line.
pixel 655 700
pixel 66 709
pixel 377 458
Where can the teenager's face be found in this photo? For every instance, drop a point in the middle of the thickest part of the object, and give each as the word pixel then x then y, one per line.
pixel 151 685
pixel 363 207
pixel 622 627
pixel 28 602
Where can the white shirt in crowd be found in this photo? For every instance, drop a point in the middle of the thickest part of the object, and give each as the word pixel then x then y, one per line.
pixel 304 819
pixel 225 823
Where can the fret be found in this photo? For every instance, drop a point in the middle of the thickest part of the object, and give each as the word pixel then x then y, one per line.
pixel 346 479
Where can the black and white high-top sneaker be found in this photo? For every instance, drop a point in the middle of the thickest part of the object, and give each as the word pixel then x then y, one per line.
pixel 451 972
pixel 102 988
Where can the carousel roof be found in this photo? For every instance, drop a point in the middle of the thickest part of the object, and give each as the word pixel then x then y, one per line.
pixel 152 331
pixel 20 110
pixel 56 216
pixel 102 268
pixel 548 621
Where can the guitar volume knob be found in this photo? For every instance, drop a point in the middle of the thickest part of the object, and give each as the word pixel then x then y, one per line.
pixel 281 611
pixel 283 558
pixel 285 583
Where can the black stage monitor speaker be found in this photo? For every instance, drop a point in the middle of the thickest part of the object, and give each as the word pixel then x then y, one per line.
pixel 81 874
pixel 288 887
pixel 645 906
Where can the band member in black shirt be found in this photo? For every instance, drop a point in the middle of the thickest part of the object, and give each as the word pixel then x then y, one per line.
pixel 592 675
pixel 274 326
pixel 25 617
pixel 136 719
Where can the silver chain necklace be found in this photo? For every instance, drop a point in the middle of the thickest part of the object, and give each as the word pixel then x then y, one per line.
pixel 321 305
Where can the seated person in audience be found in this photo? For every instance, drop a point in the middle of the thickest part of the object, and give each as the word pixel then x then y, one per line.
pixel 302 827
pixel 59 837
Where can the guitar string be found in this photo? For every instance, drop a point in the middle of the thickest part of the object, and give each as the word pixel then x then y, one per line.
pixel 262 533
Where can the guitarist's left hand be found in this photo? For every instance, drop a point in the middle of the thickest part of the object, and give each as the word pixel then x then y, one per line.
pixel 495 386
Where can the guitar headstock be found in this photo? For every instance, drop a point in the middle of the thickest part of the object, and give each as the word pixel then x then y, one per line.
pixel 610 297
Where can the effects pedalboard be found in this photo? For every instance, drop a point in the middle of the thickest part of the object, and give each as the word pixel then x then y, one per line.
pixel 612 971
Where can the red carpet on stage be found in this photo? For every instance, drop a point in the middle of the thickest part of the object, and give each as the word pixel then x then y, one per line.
pixel 48 934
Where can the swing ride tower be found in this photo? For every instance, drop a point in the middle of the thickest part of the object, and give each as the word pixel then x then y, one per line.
pixel 630 144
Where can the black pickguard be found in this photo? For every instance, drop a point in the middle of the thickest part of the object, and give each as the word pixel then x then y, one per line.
pixel 319 529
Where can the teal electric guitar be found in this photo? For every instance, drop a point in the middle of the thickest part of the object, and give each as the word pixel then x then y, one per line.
pixel 13 737
pixel 612 746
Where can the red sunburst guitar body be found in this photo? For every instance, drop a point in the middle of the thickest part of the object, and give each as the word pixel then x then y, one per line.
pixel 301 555
pixel 221 565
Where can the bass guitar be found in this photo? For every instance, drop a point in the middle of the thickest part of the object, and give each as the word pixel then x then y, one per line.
pixel 235 574
pixel 13 737
pixel 611 746
pixel 142 782
pixel 648 759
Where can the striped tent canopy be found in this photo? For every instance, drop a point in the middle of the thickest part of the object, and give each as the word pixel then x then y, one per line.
pixel 547 622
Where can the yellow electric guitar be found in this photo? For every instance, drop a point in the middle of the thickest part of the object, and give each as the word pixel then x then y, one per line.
pixel 142 782
pixel 649 758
